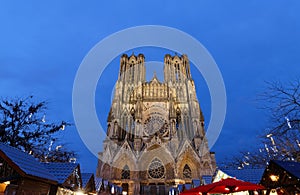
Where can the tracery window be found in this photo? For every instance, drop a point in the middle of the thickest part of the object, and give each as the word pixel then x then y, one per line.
pixel 155 124
pixel 125 172
pixel 187 172
pixel 156 169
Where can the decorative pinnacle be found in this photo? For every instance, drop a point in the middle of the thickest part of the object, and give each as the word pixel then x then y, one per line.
pixel 154 74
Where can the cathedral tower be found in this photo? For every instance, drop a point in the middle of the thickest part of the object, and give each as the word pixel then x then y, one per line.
pixel 155 130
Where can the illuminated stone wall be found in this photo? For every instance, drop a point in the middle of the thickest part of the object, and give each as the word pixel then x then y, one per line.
pixel 155 129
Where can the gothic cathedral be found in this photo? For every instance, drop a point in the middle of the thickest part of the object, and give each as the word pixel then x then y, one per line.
pixel 155 130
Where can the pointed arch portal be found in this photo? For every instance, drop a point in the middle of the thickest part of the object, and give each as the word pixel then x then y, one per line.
pixel 187 172
pixel 125 172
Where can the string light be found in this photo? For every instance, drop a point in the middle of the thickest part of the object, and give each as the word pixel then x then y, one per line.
pixel 272 140
pixel 274 177
pixel 298 143
pixel 269 135
pixel 57 147
pixel 72 160
pixel 50 145
pixel 288 122
pixel 44 119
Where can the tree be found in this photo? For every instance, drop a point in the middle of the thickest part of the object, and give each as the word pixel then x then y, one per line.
pixel 23 125
pixel 281 140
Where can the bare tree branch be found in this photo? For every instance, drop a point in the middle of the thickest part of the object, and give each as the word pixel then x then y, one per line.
pixel 282 139
pixel 23 125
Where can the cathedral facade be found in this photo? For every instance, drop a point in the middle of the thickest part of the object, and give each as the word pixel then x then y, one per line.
pixel 155 130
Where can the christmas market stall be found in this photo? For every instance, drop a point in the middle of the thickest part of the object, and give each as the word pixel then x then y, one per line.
pixel 252 175
pixel 68 176
pixel 20 173
pixel 224 186
pixel 282 177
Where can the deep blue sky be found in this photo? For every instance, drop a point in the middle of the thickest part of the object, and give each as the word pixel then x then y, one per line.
pixel 43 44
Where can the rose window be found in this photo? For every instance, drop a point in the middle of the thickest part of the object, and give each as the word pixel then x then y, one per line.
pixel 155 124
pixel 156 169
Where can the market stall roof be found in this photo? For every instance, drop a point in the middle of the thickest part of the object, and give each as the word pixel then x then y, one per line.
pixel 250 175
pixel 290 166
pixel 98 183
pixel 61 171
pixel 196 182
pixel 207 179
pixel 188 186
pixel 86 178
pixel 88 182
pixel 24 163
pixel 225 186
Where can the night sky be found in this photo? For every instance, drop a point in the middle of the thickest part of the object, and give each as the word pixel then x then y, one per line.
pixel 44 43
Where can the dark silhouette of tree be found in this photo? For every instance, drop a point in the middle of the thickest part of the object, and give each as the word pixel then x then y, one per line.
pixel 23 125
pixel 281 140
